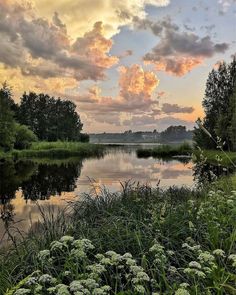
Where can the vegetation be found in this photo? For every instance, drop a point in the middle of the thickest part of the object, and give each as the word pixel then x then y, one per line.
pixel 44 117
pixel 57 149
pixel 140 241
pixel 217 157
pixel 220 109
pixel 166 151
pixel 49 118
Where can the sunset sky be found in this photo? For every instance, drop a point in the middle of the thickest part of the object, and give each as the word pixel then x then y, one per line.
pixel 135 64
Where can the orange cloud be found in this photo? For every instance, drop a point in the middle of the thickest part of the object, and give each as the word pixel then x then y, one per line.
pixel 135 81
pixel 177 66
pixel 93 46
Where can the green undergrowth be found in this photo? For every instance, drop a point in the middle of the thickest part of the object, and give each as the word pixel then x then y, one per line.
pixel 217 157
pixel 184 149
pixel 56 149
pixel 177 241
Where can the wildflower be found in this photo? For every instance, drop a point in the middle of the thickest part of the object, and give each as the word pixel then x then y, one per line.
pixel 43 255
pixel 195 264
pixel 170 252
pixel 78 253
pixel 193 271
pixel 31 281
pixel 232 257
pixel 172 269
pixel 97 268
pixel 46 279
pixel 84 244
pixel 102 291
pixel 75 286
pixel 22 291
pixel 182 292
pixel 184 285
pixel 62 289
pixel 206 257
pixel 66 239
pixel 219 252
pixel 56 245
pixel 127 255
pixel 139 289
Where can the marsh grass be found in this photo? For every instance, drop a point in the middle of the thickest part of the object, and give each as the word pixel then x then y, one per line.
pixel 182 225
pixel 56 149
pixel 184 149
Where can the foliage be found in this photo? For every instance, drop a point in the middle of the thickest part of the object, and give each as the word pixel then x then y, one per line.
pixel 219 105
pixel 166 151
pixel 181 241
pixel 23 137
pixel 84 137
pixel 7 121
pixel 49 118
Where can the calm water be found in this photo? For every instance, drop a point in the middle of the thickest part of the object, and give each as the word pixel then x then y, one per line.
pixel 24 184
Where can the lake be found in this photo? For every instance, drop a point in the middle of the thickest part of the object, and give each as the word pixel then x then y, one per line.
pixel 25 184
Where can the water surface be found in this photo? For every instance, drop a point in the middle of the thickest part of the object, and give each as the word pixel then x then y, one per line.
pixel 24 184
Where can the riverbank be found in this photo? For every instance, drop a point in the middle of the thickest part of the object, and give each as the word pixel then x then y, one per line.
pixel 178 240
pixel 216 157
pixel 56 149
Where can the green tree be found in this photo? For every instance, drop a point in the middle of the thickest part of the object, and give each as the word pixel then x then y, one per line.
pixel 7 121
pixel 49 118
pixel 217 106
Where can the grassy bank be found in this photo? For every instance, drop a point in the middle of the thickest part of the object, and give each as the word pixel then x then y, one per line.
pixel 176 241
pixel 56 149
pixel 166 151
pixel 216 157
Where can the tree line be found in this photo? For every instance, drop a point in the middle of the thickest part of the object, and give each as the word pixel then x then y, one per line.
pixel 219 103
pixel 37 116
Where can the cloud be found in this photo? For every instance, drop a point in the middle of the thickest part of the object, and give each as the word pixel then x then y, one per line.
pixel 81 15
pixel 224 5
pixel 42 47
pixel 178 52
pixel 136 95
pixel 168 108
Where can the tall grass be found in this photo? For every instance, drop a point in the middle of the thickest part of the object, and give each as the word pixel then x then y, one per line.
pixel 59 149
pixel 166 151
pixel 182 239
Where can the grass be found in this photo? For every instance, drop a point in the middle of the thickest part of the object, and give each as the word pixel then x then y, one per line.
pixel 184 149
pixel 177 236
pixel 56 149
pixel 217 157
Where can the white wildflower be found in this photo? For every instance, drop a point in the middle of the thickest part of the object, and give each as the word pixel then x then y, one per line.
pixel 139 289
pixel 219 252
pixel 232 257
pixel 46 278
pixel 195 264
pixel 22 291
pixel 43 255
pixel 182 292
pixel 66 239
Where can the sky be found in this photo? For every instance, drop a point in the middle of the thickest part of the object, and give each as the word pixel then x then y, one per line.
pixel 137 64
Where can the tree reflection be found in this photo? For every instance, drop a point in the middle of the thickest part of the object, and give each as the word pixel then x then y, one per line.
pixel 37 181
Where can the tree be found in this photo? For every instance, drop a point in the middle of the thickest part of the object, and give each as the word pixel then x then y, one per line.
pixel 49 118
pixel 217 105
pixel 7 121
pixel 23 137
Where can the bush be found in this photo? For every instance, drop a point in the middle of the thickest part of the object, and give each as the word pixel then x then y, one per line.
pixel 84 137
pixel 24 137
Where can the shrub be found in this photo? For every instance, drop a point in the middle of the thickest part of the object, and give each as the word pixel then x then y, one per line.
pixel 24 137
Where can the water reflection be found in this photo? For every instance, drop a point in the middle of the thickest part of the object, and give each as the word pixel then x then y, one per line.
pixel 22 183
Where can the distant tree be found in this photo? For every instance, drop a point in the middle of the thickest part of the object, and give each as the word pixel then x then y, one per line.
pixel 7 121
pixel 175 133
pixel 84 137
pixel 23 137
pixel 218 108
pixel 49 118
